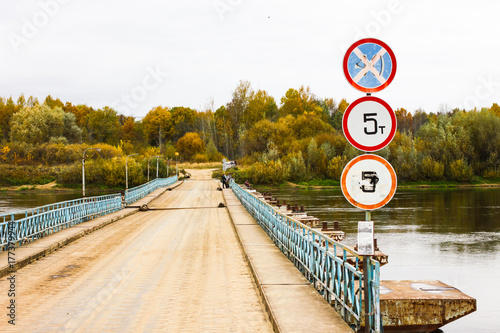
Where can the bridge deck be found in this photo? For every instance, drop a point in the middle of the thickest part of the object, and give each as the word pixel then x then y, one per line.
pixel 175 268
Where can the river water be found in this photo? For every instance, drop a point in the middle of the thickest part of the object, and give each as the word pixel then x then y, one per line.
pixel 447 235
pixel 13 202
pixel 432 234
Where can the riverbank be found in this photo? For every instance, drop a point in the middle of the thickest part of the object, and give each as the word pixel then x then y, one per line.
pixel 333 184
pixel 53 187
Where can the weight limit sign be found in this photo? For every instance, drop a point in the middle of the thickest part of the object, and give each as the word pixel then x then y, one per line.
pixel 368 182
pixel 369 124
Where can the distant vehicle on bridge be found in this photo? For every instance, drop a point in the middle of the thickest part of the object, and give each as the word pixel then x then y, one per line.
pixel 229 164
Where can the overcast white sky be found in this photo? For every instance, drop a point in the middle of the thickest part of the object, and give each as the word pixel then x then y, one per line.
pixel 135 55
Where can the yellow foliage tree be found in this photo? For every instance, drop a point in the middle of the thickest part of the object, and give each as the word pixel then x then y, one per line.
pixel 189 145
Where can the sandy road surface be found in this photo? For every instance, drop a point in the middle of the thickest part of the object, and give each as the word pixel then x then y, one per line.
pixel 175 268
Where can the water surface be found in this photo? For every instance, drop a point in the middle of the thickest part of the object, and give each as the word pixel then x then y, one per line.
pixel 447 235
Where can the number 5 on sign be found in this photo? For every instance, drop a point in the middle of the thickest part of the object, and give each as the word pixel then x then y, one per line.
pixel 369 124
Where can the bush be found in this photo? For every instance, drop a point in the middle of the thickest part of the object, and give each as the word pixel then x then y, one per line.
pixel 13 175
pixel 430 169
pixel 492 173
pixel 460 171
pixel 295 167
pixel 200 158
pixel 70 175
pixel 271 172
pixel 336 166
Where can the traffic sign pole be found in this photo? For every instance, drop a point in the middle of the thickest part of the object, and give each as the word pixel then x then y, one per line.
pixel 369 124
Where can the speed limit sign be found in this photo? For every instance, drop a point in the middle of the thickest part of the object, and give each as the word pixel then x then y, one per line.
pixel 369 124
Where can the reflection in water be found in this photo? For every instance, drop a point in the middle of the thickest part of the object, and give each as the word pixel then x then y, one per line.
pixel 447 235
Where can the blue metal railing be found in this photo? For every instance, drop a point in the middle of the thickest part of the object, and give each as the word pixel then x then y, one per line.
pixel 139 192
pixel 26 226
pixel 322 260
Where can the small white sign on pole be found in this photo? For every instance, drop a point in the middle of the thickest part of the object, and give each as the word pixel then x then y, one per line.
pixel 366 245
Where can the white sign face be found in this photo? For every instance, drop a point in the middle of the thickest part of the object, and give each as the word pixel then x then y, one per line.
pixel 368 182
pixel 366 245
pixel 369 124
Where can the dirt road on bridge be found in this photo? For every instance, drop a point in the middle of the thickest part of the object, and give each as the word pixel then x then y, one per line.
pixel 174 268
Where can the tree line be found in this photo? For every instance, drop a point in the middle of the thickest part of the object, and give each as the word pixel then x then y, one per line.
pixel 298 138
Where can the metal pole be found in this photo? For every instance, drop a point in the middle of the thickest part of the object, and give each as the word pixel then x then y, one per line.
pixel 148 168
pixel 83 168
pixel 366 282
pixel 176 165
pixel 83 176
pixel 168 168
pixel 157 166
pixel 126 170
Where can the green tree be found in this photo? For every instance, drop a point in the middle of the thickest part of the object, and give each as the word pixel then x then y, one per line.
pixel 419 118
pixel 40 123
pixel 103 126
pixel 236 108
pixel 484 129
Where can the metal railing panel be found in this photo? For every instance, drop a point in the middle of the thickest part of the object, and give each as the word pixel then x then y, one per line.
pixel 41 221
pixel 25 226
pixel 321 260
pixel 139 192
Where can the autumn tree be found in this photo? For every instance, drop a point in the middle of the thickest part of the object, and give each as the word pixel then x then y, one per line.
pixel 184 120
pixel 260 106
pixel 189 145
pixel 296 102
pixel 404 120
pixel 257 138
pixel 224 130
pixel 308 125
pixel 158 126
pixel 53 103
pixel 7 109
pixel 127 130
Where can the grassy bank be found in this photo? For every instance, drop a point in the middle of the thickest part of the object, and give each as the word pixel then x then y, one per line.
pixel 241 175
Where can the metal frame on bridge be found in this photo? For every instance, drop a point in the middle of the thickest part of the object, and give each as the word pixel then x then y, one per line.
pixel 316 256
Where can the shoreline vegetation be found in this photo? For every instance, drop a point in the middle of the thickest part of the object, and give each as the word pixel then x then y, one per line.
pixel 50 184
pixel 313 185
pixel 297 138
